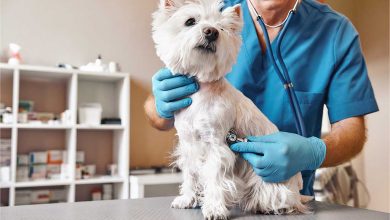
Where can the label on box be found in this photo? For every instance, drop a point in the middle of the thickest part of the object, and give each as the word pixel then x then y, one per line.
pixel 40 196
pixel 54 156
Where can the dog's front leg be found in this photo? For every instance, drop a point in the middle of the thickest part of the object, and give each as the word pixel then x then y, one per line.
pixel 219 187
pixel 187 198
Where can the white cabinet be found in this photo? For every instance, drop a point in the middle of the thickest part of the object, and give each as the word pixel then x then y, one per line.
pixel 56 90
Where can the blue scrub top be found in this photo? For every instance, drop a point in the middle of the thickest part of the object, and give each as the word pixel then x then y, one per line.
pixel 322 52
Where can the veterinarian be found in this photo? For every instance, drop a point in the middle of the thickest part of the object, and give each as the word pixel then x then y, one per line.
pixel 322 52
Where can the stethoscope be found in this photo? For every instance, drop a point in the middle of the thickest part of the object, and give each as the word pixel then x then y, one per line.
pixel 282 73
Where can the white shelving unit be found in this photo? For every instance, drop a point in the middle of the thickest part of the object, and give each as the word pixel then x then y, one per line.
pixel 81 86
pixel 138 182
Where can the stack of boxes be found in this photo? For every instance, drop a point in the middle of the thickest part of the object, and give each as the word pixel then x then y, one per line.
pixel 104 193
pixel 42 165
pixel 27 197
pixel 5 160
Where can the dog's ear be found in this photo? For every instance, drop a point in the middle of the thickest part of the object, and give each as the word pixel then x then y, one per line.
pixel 234 11
pixel 237 9
pixel 169 4
pixel 234 14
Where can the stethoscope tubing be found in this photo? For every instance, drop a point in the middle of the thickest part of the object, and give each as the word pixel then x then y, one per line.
pixel 283 74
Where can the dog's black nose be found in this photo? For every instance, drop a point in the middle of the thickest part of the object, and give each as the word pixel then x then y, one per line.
pixel 211 34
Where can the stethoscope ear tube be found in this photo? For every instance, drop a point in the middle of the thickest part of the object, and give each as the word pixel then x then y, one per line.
pixel 284 77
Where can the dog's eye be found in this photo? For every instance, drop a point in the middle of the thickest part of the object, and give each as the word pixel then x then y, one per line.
pixel 190 22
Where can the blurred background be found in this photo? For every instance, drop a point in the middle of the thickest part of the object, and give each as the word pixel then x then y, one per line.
pixel 98 157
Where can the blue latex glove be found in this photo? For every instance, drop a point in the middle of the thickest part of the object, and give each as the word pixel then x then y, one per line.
pixel 279 156
pixel 171 92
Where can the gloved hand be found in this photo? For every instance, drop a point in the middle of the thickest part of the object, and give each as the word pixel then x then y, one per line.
pixel 171 91
pixel 279 156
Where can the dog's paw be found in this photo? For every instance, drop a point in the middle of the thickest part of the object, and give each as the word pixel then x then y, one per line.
pixel 215 213
pixel 216 217
pixel 184 202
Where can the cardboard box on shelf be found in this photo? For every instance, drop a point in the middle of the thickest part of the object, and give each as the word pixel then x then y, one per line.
pixel 55 156
pixel 57 171
pixel 107 188
pixel 53 171
pixel 78 172
pixel 5 173
pixel 80 157
pixel 40 196
pixel 38 171
pixel 107 191
pixel 22 197
pixel 38 157
pixel 22 160
pixel 107 197
pixel 96 194
pixel 57 195
pixel 27 197
pixel 22 173
pixel 5 152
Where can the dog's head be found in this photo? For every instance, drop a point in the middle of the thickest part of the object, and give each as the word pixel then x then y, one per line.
pixel 197 38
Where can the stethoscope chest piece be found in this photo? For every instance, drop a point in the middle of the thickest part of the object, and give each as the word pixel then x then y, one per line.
pixel 232 138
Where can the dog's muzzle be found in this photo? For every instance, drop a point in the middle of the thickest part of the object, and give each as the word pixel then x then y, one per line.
pixel 207 47
pixel 211 36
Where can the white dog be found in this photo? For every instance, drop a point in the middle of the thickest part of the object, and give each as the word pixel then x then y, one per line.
pixel 197 38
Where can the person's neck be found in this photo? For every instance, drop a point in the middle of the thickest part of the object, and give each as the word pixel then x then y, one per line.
pixel 273 11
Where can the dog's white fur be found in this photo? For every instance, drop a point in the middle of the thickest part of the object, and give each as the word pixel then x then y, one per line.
pixel 214 177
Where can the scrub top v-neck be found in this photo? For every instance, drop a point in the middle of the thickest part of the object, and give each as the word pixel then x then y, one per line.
pixel 322 52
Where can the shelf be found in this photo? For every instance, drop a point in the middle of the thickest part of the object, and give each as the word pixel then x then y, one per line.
pixel 100 180
pixel 100 127
pixel 156 179
pixel 47 69
pixel 39 183
pixel 43 126
pixel 5 125
pixel 43 69
pixel 5 185
pixel 6 66
pixel 105 77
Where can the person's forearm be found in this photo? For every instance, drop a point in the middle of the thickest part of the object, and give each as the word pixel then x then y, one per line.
pixel 346 140
pixel 155 120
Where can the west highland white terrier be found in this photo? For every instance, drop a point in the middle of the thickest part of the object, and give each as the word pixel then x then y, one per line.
pixel 199 39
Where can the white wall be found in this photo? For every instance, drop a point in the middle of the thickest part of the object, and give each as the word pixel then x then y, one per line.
pixel 75 31
pixel 371 19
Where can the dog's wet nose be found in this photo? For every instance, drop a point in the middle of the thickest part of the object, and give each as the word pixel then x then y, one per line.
pixel 211 34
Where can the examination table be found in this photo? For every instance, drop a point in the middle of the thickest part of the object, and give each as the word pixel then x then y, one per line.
pixel 159 208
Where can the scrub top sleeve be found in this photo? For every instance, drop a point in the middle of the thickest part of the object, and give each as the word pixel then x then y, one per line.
pixel 349 92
